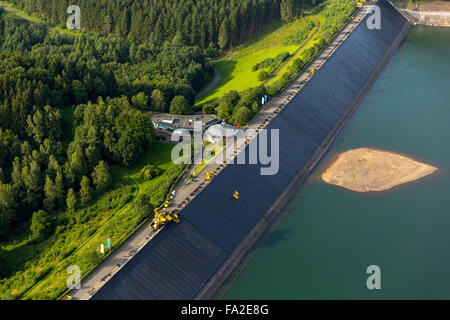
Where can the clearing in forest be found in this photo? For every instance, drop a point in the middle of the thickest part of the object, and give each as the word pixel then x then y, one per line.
pixel 237 67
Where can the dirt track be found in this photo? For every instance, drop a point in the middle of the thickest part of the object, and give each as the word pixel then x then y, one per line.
pixel 9 9
pixel 216 80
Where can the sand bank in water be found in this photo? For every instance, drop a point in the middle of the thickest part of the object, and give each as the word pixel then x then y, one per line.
pixel 365 170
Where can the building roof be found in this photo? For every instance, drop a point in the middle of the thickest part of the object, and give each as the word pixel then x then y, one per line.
pixel 222 130
pixel 184 122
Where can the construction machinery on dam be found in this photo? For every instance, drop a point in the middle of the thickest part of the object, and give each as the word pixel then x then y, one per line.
pixel 162 218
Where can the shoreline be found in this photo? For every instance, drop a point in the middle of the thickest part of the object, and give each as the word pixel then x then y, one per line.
pixel 433 14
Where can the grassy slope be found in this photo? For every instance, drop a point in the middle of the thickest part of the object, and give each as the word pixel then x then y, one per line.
pixel 236 66
pixel 300 54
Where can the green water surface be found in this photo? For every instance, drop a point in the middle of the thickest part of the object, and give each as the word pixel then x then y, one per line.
pixel 322 249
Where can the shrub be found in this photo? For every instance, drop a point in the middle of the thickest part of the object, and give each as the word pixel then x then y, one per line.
pixel 298 64
pixel 159 191
pixel 209 108
pixel 271 63
pixel 41 225
pixel 251 95
pixel 142 206
pixel 263 75
pixel 149 172
pixel 230 99
pixel 242 116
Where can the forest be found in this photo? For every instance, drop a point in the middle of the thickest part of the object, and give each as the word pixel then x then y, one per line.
pixel 45 163
pixel 207 23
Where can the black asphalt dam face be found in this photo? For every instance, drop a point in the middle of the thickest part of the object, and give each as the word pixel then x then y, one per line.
pixel 183 258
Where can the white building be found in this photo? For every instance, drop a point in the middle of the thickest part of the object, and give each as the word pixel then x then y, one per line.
pixel 220 132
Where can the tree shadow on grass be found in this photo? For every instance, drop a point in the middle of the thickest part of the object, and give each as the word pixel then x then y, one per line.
pixel 28 250
pixel 226 68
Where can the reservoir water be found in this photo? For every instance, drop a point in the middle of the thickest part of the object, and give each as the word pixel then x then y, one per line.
pixel 329 236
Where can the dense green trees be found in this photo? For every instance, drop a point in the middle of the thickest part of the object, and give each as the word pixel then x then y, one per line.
pixel 219 23
pixel 287 10
pixel 72 107
pixel 158 101
pixel 239 108
pixel 223 34
pixel 180 105
pixel 68 110
pixel 62 70
pixel 242 116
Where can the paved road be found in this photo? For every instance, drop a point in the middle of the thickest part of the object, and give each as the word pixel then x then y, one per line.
pixel 212 85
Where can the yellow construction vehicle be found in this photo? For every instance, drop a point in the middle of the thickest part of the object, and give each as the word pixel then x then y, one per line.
pixel 235 195
pixel 166 204
pixel 209 176
pixel 67 298
pixel 162 218
pixel 312 70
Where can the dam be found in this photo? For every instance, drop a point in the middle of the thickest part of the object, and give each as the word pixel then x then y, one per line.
pixel 194 259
